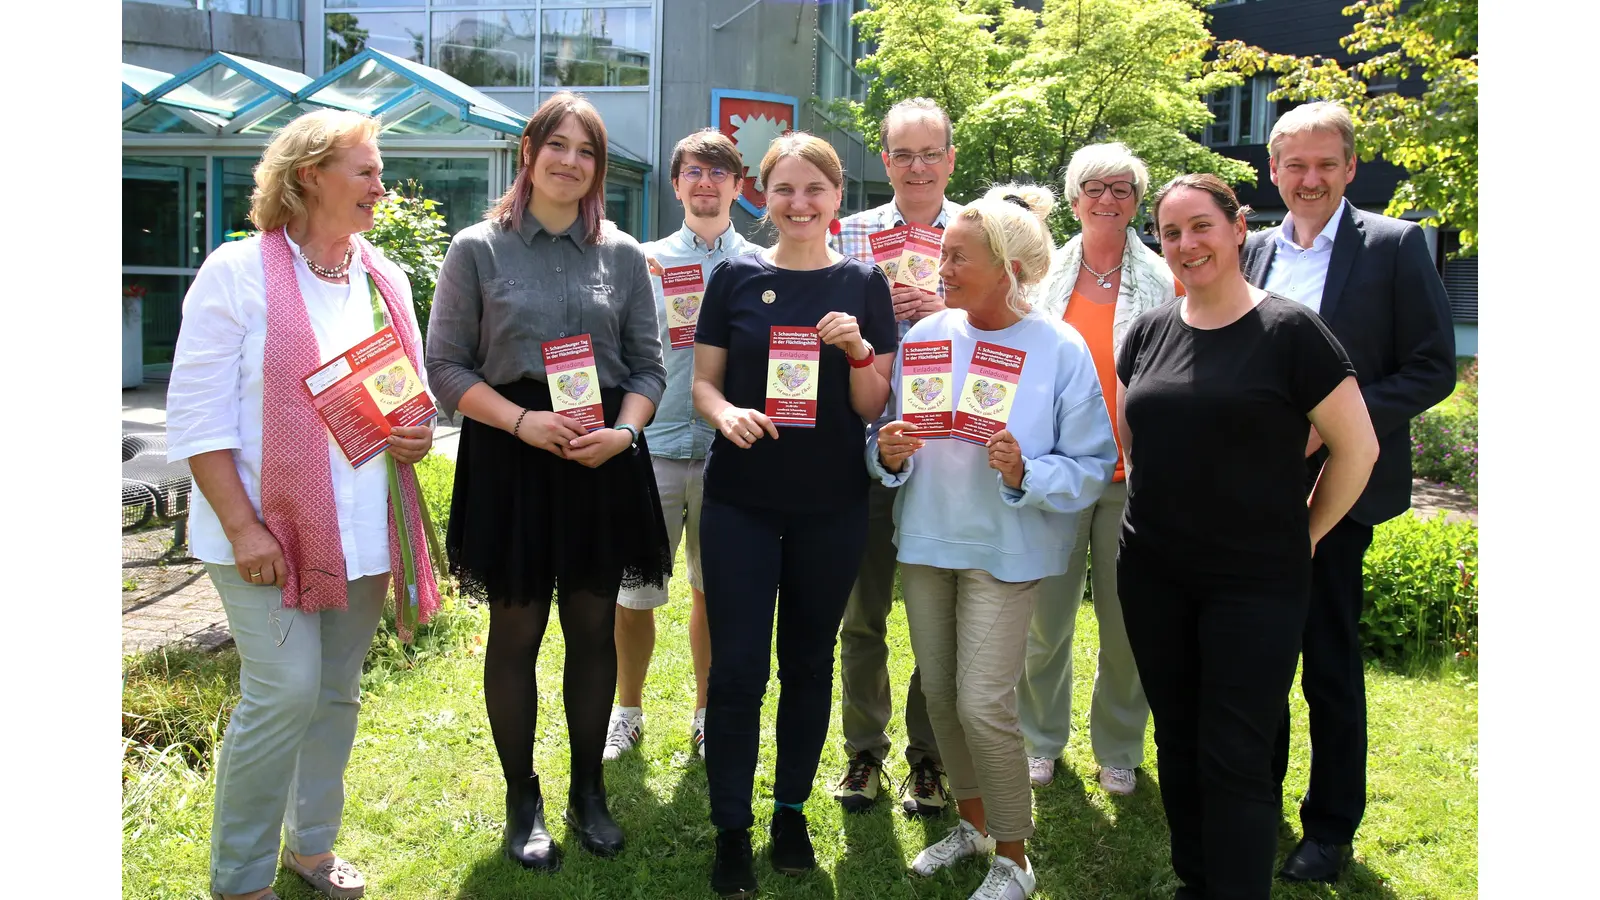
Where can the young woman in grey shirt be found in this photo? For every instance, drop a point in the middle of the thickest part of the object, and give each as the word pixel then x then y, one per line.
pixel 542 506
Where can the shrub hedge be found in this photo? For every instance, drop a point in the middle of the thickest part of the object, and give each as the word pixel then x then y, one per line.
pixel 1444 440
pixel 1421 581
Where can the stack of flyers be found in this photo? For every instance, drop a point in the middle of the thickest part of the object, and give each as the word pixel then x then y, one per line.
pixel 908 254
pixel 925 384
pixel 986 398
pixel 792 372
pixel 574 382
pixel 683 287
pixel 366 392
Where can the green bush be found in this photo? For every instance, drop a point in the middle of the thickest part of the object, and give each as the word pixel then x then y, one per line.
pixel 410 231
pixel 1421 582
pixel 1444 440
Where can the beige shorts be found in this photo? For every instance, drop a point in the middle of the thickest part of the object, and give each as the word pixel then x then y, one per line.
pixel 679 481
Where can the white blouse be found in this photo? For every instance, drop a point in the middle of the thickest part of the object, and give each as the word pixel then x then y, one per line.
pixel 214 398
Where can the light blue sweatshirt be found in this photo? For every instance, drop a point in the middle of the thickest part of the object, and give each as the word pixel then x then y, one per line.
pixel 954 512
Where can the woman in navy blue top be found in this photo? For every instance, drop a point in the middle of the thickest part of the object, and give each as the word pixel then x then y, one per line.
pixel 785 508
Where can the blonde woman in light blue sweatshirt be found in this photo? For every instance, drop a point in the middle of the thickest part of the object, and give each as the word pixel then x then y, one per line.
pixel 978 526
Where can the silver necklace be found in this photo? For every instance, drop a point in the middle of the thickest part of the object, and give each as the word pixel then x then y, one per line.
pixel 342 268
pixel 1102 278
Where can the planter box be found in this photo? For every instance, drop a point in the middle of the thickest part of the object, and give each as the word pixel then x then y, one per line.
pixel 132 342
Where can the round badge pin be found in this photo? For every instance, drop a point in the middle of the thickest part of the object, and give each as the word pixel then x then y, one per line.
pixel 768 296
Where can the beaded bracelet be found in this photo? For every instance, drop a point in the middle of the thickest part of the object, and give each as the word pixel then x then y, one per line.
pixel 519 423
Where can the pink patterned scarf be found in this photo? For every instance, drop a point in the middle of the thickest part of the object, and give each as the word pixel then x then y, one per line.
pixel 297 500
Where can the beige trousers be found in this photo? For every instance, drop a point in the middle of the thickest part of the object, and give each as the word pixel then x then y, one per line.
pixel 969 631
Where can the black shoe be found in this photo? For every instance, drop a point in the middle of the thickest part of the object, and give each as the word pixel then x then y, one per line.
pixel 791 843
pixel 1312 860
pixel 733 872
pixel 588 817
pixel 527 841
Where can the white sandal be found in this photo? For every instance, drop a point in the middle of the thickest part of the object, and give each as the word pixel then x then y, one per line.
pixel 333 877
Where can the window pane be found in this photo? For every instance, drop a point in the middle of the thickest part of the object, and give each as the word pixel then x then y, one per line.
pixel 237 183
pixel 159 119
pixel 460 184
pixel 347 34
pixel 429 118
pixel 486 49
pixel 355 4
pixel 285 114
pixel 622 206
pixel 366 88
pixel 163 312
pixel 596 47
pixel 163 211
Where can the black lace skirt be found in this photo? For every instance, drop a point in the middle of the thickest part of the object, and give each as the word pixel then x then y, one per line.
pixel 523 520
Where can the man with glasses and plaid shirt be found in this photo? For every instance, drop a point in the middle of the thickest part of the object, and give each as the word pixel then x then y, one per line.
pixel 707 174
pixel 919 155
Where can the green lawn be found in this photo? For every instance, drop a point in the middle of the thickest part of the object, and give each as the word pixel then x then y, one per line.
pixel 425 800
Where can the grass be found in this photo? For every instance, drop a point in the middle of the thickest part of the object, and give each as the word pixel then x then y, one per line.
pixel 425 800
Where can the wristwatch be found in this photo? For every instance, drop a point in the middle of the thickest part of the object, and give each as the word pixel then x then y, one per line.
pixel 864 361
pixel 633 434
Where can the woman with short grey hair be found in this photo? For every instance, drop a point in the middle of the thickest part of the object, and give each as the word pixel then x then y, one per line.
pixel 1099 282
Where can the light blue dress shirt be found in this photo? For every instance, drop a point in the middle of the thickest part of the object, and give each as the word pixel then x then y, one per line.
pixel 1300 273
pixel 677 432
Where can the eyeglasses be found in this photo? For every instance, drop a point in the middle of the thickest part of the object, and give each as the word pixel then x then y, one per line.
pixel 692 174
pixel 903 160
pixel 1121 190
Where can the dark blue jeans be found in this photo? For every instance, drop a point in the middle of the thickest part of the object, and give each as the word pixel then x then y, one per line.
pixel 758 564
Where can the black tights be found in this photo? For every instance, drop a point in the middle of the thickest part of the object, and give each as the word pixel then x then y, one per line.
pixel 589 679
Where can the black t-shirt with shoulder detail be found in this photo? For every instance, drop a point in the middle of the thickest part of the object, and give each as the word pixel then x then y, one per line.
pixel 806 469
pixel 1218 428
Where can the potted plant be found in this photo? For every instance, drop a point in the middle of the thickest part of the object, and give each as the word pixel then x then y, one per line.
pixel 132 335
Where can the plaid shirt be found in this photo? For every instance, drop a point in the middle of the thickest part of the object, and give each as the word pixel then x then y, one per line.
pixel 852 240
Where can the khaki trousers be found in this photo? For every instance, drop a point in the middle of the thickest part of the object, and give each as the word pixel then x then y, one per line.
pixel 969 631
pixel 1118 712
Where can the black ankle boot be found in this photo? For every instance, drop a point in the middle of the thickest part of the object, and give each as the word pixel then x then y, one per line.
pixel 791 842
pixel 589 818
pixel 527 841
pixel 733 872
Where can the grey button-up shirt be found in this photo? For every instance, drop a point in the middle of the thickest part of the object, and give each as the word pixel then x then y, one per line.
pixel 678 432
pixel 502 293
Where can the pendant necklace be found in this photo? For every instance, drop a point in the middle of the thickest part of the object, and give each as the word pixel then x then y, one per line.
pixel 1102 278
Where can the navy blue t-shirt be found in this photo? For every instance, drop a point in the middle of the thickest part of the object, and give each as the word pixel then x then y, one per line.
pixel 806 469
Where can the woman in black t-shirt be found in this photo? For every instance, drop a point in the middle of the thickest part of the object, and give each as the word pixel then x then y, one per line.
pixel 1217 392
pixel 785 511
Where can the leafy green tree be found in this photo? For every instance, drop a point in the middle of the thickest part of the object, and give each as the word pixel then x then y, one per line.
pixel 1434 137
pixel 410 231
pixel 1026 89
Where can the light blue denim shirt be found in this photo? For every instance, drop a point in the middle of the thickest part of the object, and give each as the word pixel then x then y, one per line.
pixel 677 432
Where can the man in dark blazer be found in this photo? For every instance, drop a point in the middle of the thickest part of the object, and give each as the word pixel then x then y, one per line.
pixel 1373 281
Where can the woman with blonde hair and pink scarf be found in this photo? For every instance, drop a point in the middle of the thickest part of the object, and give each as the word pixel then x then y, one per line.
pixel 299 543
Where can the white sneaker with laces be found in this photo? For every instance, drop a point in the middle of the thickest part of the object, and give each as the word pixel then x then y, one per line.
pixel 962 841
pixel 697 732
pixel 1006 881
pixel 1041 770
pixel 624 732
pixel 1118 781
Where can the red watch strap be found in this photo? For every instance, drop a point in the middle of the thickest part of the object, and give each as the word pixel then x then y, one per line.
pixel 864 361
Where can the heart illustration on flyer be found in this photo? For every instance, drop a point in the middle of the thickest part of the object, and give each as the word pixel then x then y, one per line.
pixel 921 267
pixel 686 306
pixel 988 394
pixel 792 375
pixel 392 382
pixel 574 386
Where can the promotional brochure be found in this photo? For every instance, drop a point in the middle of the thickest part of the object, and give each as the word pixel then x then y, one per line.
pixel 574 382
pixel 991 386
pixel 792 371
pixel 925 381
pixel 366 392
pixel 683 287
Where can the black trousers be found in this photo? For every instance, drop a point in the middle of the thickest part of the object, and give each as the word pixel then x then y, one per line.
pixel 1334 682
pixel 1216 658
pixel 758 564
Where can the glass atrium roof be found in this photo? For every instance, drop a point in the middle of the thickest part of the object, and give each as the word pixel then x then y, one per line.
pixel 227 94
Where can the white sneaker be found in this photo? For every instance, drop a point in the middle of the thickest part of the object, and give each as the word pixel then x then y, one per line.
pixel 697 732
pixel 962 841
pixel 624 733
pixel 1041 770
pixel 1006 881
pixel 1118 781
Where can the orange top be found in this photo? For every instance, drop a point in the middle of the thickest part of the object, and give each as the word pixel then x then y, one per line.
pixel 1093 321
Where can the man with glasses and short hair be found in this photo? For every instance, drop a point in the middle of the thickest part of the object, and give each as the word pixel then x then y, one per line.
pixel 707 174
pixel 919 154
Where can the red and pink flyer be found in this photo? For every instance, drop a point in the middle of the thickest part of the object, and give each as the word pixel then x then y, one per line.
pixel 792 372
pixel 919 262
pixel 985 402
pixel 925 387
pixel 886 249
pixel 574 382
pixel 366 392
pixel 683 287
